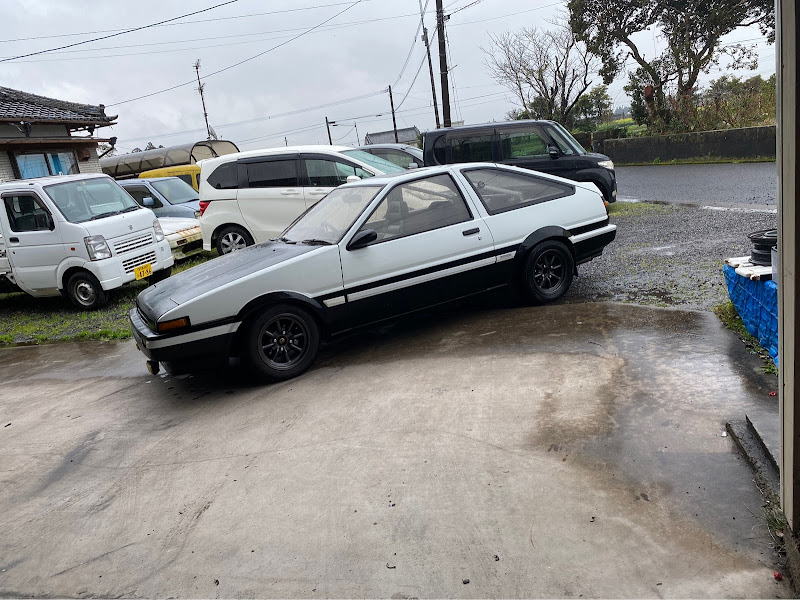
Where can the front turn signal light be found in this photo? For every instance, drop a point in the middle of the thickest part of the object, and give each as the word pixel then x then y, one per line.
pixel 174 324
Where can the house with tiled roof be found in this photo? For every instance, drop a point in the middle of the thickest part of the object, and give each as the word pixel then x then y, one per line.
pixel 43 136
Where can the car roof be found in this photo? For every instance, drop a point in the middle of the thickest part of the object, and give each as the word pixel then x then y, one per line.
pixel 387 146
pixel 501 124
pixel 318 148
pixel 137 181
pixel 52 179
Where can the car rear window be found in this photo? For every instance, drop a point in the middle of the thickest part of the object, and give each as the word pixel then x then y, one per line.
pixel 501 190
pixel 225 177
pixel 477 148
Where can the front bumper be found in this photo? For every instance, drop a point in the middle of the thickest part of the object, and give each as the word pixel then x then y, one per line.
pixel 208 341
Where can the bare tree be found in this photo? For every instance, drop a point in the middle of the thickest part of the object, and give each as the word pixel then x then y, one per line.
pixel 547 69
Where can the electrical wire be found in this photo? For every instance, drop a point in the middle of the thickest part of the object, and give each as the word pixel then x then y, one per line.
pixel 274 12
pixel 105 37
pixel 241 62
pixel 413 45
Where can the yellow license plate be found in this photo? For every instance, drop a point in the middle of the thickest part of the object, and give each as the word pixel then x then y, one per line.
pixel 143 271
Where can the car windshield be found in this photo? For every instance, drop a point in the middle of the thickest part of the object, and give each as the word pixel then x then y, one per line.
pixel 376 162
pixel 175 190
pixel 330 218
pixel 89 199
pixel 566 143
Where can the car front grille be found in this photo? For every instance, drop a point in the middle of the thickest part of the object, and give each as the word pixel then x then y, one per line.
pixel 131 263
pixel 133 243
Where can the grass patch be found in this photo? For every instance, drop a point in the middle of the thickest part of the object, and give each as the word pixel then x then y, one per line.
pixel 635 209
pixel 731 319
pixel 700 160
pixel 38 320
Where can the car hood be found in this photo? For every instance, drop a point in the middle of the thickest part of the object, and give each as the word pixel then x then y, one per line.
pixel 117 225
pixel 170 225
pixel 192 283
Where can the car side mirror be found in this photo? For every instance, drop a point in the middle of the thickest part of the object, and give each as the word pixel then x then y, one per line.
pixel 413 165
pixel 148 202
pixel 362 238
pixel 553 152
pixel 352 178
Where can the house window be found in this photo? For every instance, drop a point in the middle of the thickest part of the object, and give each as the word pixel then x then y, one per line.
pixel 41 164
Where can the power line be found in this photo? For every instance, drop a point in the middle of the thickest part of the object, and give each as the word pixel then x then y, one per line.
pixel 508 15
pixel 241 62
pixel 105 37
pixel 413 45
pixel 275 12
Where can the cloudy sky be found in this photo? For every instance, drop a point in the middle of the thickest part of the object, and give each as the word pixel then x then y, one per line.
pixel 350 53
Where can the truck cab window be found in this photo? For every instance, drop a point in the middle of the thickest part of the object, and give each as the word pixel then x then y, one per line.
pixel 25 213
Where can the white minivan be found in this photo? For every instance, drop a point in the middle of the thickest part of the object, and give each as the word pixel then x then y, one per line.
pixel 77 235
pixel 250 197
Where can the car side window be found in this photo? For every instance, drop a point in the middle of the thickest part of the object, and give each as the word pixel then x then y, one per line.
pixel 401 159
pixel 140 193
pixel 418 206
pixel 272 173
pixel 501 191
pixel 476 148
pixel 186 178
pixel 523 144
pixel 225 177
pixel 26 213
pixel 331 173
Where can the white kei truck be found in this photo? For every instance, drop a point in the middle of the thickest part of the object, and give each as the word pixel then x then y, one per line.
pixel 79 236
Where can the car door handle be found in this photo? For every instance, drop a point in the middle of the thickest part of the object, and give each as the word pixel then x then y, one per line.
pixel 472 231
pixel 14 240
pixel 293 193
pixel 318 192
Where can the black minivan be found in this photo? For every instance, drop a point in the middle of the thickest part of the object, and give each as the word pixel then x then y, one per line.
pixel 537 145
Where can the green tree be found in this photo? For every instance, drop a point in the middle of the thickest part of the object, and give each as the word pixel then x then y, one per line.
pixel 593 108
pixel 692 30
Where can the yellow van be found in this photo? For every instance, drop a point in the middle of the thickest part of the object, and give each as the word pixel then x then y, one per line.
pixel 189 173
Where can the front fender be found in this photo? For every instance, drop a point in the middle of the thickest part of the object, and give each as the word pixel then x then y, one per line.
pixel 256 305
pixel 69 262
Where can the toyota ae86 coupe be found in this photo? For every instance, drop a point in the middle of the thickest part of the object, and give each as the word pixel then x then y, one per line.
pixel 372 250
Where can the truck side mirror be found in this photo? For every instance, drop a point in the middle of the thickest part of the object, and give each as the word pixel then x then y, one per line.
pixel 148 202
pixel 553 152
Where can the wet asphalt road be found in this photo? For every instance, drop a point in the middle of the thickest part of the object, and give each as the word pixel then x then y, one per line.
pixel 668 255
pixel 714 185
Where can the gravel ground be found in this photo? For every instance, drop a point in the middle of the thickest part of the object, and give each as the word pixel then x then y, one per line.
pixel 667 255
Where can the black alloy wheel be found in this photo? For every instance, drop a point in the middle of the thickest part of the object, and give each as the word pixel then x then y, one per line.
pixel 548 271
pixel 283 342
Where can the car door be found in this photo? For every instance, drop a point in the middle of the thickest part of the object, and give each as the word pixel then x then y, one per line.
pixel 140 192
pixel 270 195
pixel 324 173
pixel 431 247
pixel 33 245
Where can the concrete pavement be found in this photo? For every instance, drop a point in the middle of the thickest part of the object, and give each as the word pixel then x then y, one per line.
pixel 557 451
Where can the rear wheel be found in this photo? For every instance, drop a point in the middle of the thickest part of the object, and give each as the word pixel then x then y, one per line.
pixel 548 272
pixel 233 238
pixel 282 342
pixel 85 291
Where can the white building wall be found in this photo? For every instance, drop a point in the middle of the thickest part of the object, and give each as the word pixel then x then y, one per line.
pixel 92 165
pixel 6 171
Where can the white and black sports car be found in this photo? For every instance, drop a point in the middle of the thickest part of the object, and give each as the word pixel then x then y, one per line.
pixel 372 250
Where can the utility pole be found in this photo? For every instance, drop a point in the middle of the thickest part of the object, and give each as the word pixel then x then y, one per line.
pixel 394 121
pixel 430 63
pixel 328 126
pixel 440 18
pixel 200 88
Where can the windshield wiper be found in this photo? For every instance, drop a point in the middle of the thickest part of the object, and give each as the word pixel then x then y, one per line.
pixel 104 215
pixel 282 239
pixel 316 242
pixel 129 209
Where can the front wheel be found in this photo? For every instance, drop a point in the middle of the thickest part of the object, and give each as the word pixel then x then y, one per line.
pixel 85 291
pixel 548 272
pixel 159 275
pixel 282 342
pixel 233 238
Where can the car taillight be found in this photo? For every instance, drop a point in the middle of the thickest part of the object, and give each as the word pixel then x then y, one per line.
pixel 203 206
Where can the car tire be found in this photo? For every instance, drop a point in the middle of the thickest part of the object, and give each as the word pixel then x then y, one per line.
pixel 233 238
pixel 85 291
pixel 281 342
pixel 547 273
pixel 160 275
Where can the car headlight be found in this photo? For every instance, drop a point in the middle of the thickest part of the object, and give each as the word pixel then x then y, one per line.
pixel 607 164
pixel 97 247
pixel 158 230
